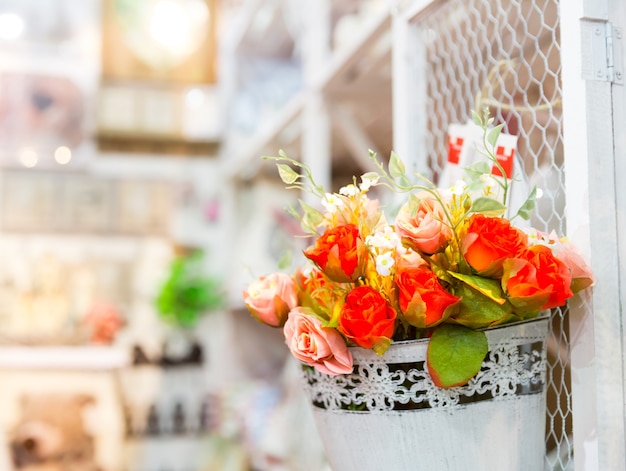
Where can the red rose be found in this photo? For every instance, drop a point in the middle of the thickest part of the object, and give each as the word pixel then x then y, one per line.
pixel 489 242
pixel 366 318
pixel 423 301
pixel 340 253
pixel 536 280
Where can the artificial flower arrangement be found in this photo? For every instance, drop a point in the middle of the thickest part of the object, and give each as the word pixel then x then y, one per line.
pixel 451 266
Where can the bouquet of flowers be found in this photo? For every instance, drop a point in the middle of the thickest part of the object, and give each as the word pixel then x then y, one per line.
pixel 449 267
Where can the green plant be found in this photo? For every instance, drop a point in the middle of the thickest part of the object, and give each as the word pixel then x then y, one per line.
pixel 188 292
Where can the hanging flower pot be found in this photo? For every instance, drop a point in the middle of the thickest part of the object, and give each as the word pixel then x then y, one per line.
pixel 423 339
pixel 388 414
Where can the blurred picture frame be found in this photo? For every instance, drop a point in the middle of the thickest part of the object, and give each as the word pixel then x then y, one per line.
pixel 68 417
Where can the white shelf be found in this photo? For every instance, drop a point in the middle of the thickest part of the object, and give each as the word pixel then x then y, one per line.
pixel 341 69
pixel 360 61
pixel 269 137
pixel 92 358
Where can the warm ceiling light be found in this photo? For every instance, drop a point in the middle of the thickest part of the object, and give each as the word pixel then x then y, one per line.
pixel 63 155
pixel 11 26
pixel 174 24
pixel 28 157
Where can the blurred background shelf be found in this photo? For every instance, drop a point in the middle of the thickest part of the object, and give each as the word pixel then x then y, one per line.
pixel 88 358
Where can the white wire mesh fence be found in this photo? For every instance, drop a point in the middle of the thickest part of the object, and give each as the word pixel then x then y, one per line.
pixel 504 55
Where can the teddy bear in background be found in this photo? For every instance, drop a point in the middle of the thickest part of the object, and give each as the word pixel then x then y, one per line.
pixel 51 434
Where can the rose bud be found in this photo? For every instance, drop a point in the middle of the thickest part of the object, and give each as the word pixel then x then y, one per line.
pixel 340 253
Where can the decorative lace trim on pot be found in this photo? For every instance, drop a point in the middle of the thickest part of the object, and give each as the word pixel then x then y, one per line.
pixel 507 371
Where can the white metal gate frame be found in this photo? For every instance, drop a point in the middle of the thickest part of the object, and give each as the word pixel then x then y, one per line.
pixel 594 112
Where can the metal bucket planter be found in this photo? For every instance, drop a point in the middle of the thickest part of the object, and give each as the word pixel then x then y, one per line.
pixel 389 415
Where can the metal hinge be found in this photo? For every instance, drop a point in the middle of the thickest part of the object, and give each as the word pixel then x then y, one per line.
pixel 602 58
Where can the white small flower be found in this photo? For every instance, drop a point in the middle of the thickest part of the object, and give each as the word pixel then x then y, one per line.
pixel 384 263
pixel 331 202
pixel 539 193
pixel 368 180
pixel 487 180
pixel 349 190
pixel 532 234
pixel 458 188
pixel 387 239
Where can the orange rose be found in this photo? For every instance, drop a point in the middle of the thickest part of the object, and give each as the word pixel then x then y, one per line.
pixel 366 318
pixel 489 242
pixel 421 224
pixel 317 292
pixel 423 301
pixel 340 253
pixel 536 280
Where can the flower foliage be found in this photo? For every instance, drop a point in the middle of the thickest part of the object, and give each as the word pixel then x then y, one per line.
pixel 449 267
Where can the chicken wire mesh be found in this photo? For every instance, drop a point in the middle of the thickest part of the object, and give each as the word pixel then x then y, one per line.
pixel 504 55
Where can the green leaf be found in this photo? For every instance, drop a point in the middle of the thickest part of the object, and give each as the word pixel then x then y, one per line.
pixel 396 166
pixel 478 311
pixel 381 345
pixel 487 206
pixel 525 211
pixel 478 169
pixel 287 174
pixel 311 217
pixel 487 286
pixel 285 260
pixel 494 134
pixel 455 354
pixel 477 119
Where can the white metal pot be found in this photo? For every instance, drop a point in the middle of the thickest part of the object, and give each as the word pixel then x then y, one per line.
pixel 388 414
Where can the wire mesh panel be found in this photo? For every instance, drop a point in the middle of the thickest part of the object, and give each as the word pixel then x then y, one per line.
pixel 504 55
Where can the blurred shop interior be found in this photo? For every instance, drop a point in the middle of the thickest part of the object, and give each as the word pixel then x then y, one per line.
pixel 134 207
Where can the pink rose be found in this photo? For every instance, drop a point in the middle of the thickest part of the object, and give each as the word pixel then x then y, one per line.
pixel 568 253
pixel 103 320
pixel 421 224
pixel 407 258
pixel 320 347
pixel 270 298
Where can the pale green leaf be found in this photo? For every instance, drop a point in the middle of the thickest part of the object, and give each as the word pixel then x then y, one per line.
pixel 494 134
pixel 477 119
pixel 285 260
pixel 396 166
pixel 311 217
pixel 488 207
pixel 287 174
pixel 526 210
pixel 478 169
